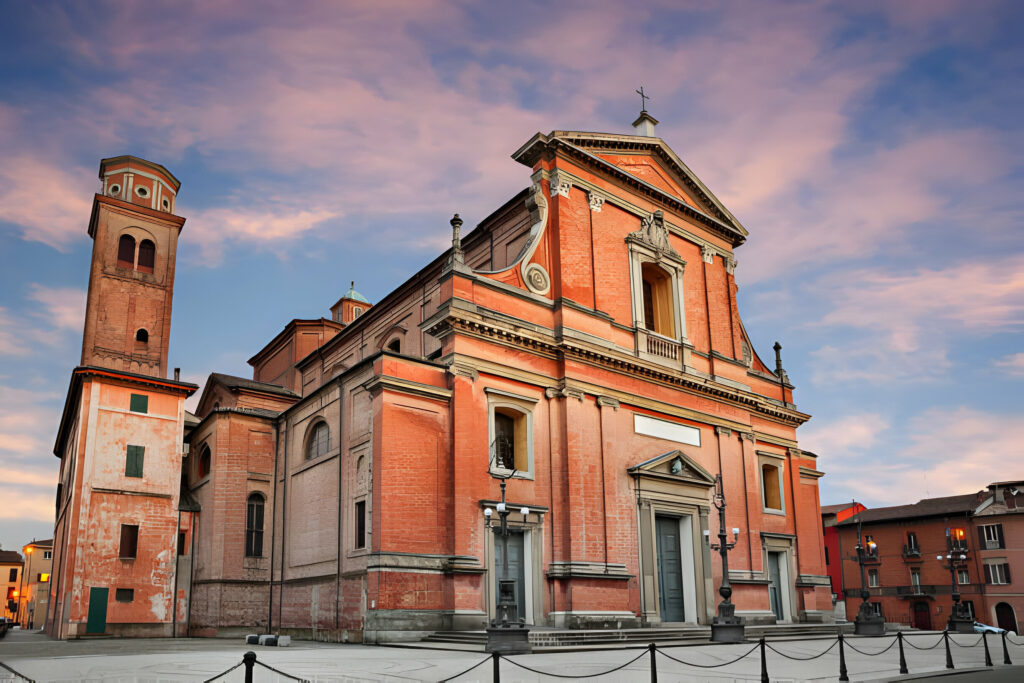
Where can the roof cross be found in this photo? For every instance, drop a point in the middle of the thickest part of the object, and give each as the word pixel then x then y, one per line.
pixel 643 98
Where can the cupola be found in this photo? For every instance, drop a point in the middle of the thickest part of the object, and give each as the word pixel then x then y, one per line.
pixel 138 181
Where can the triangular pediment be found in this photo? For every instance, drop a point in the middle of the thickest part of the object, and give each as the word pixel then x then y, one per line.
pixel 648 164
pixel 673 466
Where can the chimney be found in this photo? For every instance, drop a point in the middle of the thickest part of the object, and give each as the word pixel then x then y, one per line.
pixel 177 374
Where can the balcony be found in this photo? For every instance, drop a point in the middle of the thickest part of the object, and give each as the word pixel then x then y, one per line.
pixel 911 553
pixel 663 350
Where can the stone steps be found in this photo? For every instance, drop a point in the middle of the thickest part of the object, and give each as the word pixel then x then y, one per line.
pixel 546 638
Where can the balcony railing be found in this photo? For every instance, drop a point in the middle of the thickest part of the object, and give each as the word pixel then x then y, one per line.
pixel 911 552
pixel 665 348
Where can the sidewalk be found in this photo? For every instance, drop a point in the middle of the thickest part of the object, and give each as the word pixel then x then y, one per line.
pixel 195 659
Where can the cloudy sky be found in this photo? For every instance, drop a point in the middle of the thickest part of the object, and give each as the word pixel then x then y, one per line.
pixel 873 150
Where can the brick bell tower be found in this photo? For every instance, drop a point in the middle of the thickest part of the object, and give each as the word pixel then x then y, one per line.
pixel 131 279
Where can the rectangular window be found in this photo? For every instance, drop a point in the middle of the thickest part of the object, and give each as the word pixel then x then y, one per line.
pixel 912 547
pixel 182 548
pixel 139 403
pixel 915 580
pixel 361 524
pixel 991 537
pixel 124 594
pixel 873 578
pixel 133 461
pixel 129 542
pixel 510 433
pixel 14 574
pixel 997 572
pixel 10 592
pixel 47 554
pixel 771 486
pixel 43 578
pixel 957 539
pixel 963 577
pixel 969 607
pixel 876 607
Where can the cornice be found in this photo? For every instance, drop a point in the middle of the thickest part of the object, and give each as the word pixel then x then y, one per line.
pixel 474 324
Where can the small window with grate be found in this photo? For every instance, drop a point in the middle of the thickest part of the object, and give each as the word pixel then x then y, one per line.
pixel 124 595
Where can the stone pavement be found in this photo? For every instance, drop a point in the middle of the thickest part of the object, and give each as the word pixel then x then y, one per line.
pixel 194 659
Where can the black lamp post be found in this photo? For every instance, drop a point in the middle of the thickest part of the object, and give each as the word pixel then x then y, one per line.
pixel 959 621
pixel 866 623
pixel 508 634
pixel 726 627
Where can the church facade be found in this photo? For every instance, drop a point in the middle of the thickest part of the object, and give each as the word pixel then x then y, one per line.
pixel 577 361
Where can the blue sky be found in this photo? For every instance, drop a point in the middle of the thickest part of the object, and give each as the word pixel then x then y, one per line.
pixel 873 150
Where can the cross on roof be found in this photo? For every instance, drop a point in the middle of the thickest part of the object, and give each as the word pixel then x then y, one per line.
pixel 643 98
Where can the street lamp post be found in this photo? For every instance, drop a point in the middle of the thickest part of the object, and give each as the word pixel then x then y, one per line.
pixel 508 634
pixel 726 627
pixel 866 623
pixel 959 622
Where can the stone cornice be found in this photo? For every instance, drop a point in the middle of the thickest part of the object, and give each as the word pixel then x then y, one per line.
pixel 475 322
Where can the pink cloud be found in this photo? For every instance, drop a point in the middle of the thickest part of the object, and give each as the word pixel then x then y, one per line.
pixel 1012 364
pixel 846 434
pixel 949 451
pixel 48 199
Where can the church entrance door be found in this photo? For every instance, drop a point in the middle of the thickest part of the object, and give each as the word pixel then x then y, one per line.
pixel 516 570
pixel 670 569
pixel 775 585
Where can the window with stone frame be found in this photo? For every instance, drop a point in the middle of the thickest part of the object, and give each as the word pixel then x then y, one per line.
pixel 873 578
pixel 510 428
pixel 963 577
pixel 991 537
pixel 997 571
pixel 658 300
pixel 772 498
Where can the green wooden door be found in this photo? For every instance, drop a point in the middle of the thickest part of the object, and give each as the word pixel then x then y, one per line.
pixel 97 610
pixel 670 569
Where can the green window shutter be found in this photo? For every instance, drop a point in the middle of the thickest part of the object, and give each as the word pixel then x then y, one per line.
pixel 133 463
pixel 139 403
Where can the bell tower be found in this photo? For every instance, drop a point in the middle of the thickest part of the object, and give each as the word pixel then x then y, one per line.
pixel 131 278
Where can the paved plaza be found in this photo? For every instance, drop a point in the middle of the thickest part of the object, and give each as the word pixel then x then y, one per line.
pixel 193 659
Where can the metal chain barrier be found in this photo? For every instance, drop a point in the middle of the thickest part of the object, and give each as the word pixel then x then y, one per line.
pixel 802 659
pixel 281 673
pixel 870 654
pixel 974 644
pixel 937 643
pixel 19 675
pixel 463 673
pixel 221 675
pixel 707 666
pixel 1013 642
pixel 575 676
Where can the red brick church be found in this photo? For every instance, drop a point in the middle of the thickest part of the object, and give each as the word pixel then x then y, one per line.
pixel 582 344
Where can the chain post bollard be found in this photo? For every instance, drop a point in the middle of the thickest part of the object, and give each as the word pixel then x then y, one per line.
pixel 988 657
pixel 949 655
pixel 496 658
pixel 1006 653
pixel 842 661
pixel 903 659
pixel 764 662
pixel 249 660
pixel 654 664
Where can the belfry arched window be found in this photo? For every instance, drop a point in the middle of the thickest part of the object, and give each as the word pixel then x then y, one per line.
pixel 318 442
pixel 147 256
pixel 126 252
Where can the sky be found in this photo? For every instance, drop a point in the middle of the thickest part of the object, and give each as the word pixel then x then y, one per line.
pixel 872 149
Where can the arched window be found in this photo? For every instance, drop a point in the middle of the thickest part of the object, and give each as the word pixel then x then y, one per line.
pixel 395 345
pixel 658 300
pixel 254 525
pixel 319 440
pixel 142 336
pixel 126 252
pixel 203 466
pixel 147 256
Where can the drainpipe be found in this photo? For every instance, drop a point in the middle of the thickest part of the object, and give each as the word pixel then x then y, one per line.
pixel 273 530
